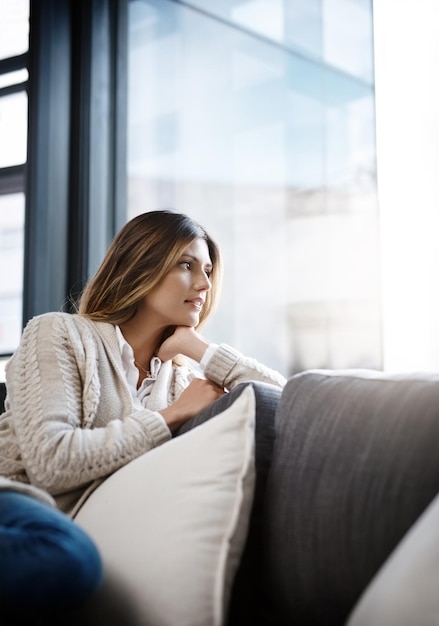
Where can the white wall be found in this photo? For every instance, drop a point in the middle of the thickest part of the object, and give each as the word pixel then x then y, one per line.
pixel 407 100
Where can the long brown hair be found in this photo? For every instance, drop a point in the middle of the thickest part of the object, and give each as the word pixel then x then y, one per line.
pixel 140 255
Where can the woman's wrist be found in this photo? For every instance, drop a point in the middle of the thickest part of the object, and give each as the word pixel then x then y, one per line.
pixel 190 343
pixel 173 417
pixel 186 341
pixel 199 348
pixel 196 347
pixel 208 353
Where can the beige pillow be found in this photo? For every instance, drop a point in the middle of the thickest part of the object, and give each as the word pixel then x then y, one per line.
pixel 171 525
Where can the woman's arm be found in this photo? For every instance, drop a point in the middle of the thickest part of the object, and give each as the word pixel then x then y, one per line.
pixel 229 368
pixel 47 392
pixel 226 367
pixel 7 484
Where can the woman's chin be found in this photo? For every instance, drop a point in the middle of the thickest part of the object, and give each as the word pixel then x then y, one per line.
pixel 191 320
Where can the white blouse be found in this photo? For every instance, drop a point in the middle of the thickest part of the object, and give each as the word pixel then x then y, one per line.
pixel 141 394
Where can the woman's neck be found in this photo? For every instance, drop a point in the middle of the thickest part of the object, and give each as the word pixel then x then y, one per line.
pixel 143 342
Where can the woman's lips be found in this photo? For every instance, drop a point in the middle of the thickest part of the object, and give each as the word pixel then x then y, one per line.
pixel 197 303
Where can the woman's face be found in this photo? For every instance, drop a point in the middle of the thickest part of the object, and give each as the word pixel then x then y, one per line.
pixel 179 297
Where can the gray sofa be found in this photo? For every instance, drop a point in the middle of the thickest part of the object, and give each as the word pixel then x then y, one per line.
pixel 344 529
pixel 351 514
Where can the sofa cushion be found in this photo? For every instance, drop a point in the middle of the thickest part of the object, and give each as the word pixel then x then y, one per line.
pixel 355 464
pixel 171 525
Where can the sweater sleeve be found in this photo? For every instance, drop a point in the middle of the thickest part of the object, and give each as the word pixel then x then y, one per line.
pixel 29 490
pixel 45 395
pixel 227 367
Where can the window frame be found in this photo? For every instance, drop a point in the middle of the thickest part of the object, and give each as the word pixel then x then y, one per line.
pixel 77 69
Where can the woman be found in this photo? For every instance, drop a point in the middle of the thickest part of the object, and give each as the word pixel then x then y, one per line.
pixel 89 392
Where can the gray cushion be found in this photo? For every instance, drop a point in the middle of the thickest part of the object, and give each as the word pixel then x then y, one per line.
pixel 355 463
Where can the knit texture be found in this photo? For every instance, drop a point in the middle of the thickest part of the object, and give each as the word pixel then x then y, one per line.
pixel 12 485
pixel 69 419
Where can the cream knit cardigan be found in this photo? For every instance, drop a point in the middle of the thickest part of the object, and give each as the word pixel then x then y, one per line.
pixel 69 420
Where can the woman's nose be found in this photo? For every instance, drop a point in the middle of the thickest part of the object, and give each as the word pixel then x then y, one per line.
pixel 202 282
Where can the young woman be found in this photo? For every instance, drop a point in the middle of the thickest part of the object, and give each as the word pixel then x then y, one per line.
pixel 91 391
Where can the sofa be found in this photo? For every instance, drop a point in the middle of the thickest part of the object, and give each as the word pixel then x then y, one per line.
pixel 335 510
pixel 354 483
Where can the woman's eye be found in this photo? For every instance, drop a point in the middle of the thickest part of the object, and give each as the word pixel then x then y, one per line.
pixel 186 265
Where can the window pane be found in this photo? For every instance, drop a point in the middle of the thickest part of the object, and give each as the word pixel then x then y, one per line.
pixel 11 269
pixel 274 153
pixel 336 31
pixel 13 129
pixel 14 27
pixel 13 78
pixel 348 36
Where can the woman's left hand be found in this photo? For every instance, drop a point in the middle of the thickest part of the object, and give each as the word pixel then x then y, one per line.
pixel 184 340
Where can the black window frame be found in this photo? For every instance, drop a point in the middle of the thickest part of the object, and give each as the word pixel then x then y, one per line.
pixel 76 175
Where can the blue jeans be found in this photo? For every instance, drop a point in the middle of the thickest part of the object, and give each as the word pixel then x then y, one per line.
pixel 47 563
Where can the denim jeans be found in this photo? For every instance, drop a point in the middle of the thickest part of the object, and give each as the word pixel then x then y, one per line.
pixel 47 563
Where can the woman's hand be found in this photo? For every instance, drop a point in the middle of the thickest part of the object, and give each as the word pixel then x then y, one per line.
pixel 196 397
pixel 184 340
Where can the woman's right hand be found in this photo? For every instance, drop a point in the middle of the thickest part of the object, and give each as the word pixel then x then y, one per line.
pixel 196 397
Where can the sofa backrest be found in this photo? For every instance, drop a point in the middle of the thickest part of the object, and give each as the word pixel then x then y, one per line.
pixel 355 464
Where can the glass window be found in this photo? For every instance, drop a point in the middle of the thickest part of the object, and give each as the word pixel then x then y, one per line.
pixel 14 27
pixel 11 264
pixel 274 153
pixel 13 129
pixel 263 17
pixel 13 78
pixel 14 41
pixel 348 36
pixel 303 26
pixel 338 32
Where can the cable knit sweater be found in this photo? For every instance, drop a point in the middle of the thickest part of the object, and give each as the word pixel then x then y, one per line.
pixel 12 485
pixel 69 420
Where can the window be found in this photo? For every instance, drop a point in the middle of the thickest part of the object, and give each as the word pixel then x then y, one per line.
pixel 14 32
pixel 257 119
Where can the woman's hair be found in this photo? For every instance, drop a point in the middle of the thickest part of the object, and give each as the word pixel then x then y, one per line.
pixel 140 255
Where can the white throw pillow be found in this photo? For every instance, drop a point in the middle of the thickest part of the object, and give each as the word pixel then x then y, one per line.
pixel 172 524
